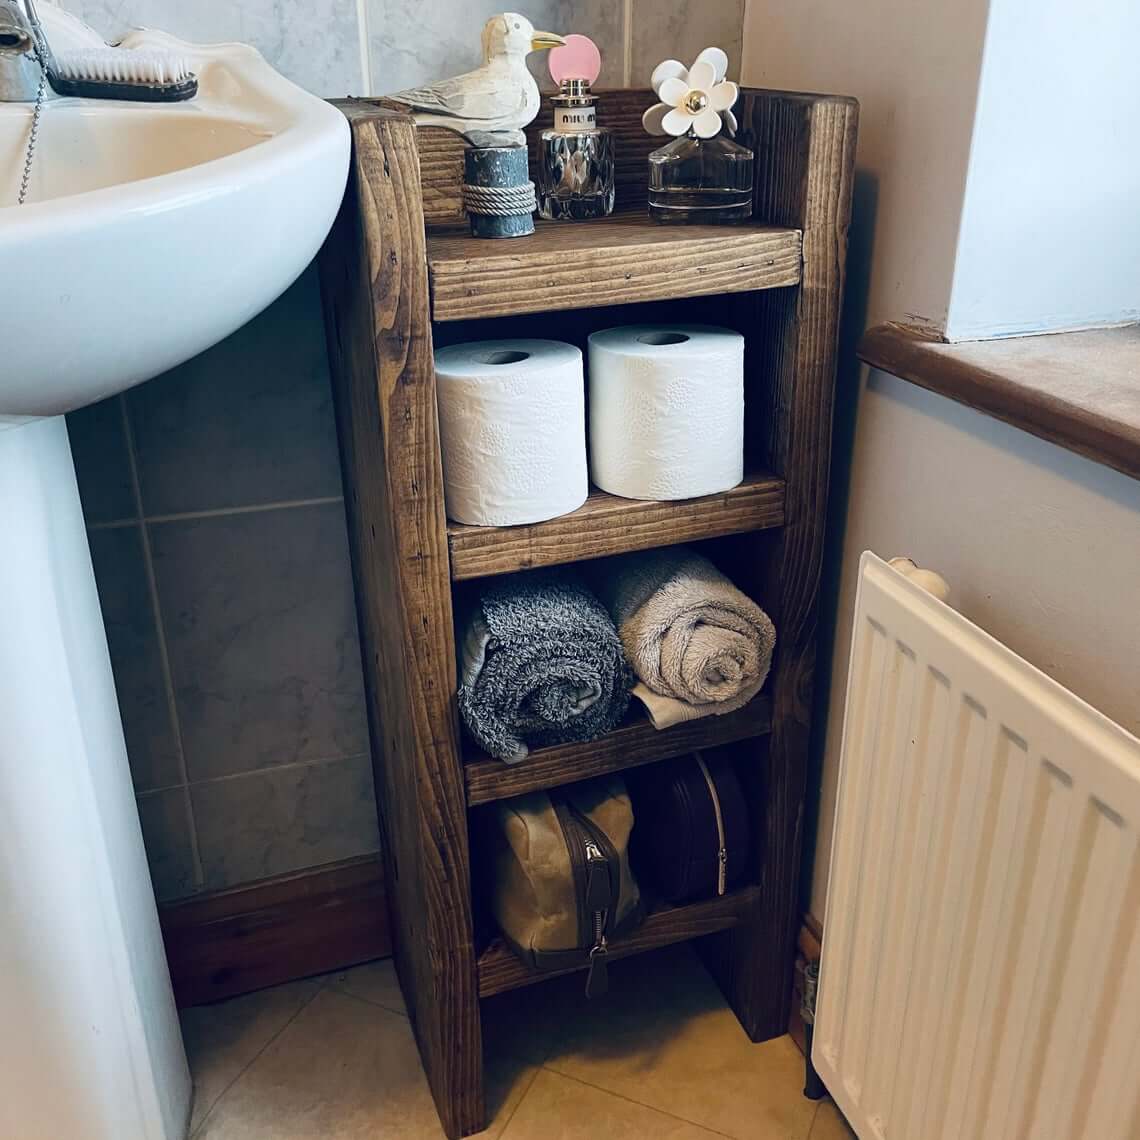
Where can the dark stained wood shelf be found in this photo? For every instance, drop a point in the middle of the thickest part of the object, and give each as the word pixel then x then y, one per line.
pixel 388 272
pixel 632 744
pixel 610 261
pixel 606 524
pixel 500 970
pixel 1079 390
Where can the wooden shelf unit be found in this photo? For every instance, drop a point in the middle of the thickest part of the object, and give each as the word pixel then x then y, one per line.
pixel 395 276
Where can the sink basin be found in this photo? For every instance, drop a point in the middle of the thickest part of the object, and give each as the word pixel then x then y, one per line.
pixel 152 231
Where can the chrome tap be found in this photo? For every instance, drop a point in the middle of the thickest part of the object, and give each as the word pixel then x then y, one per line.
pixel 20 57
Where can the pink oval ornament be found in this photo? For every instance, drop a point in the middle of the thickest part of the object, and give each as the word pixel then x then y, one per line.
pixel 577 58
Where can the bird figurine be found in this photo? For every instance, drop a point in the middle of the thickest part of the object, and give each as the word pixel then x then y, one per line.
pixel 490 105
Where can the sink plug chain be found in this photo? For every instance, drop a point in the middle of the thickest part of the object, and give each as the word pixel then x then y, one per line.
pixel 30 153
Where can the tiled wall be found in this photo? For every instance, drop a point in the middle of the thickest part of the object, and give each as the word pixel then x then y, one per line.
pixel 370 47
pixel 213 493
pixel 213 501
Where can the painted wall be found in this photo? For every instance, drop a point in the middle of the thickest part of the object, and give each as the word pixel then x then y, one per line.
pixel 1040 546
pixel 213 495
pixel 913 65
pixel 1050 235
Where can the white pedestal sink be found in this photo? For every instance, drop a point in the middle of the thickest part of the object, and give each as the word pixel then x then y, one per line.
pixel 151 232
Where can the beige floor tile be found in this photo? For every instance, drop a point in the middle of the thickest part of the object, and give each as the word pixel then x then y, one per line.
pixel 830 1125
pixel 222 1039
pixel 664 1037
pixel 346 1069
pixel 374 981
pixel 559 1108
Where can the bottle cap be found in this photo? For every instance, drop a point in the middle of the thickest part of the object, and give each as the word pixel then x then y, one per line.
pixel 577 58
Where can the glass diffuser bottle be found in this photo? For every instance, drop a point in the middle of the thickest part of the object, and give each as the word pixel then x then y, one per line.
pixel 702 175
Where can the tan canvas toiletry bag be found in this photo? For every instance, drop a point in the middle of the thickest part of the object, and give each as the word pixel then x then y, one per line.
pixel 562 886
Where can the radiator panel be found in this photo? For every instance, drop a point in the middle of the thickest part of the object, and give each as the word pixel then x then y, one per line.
pixel 981 956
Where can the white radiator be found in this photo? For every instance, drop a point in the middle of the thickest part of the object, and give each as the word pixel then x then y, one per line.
pixel 981 956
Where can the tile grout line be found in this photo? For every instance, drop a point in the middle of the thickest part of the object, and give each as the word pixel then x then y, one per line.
pixel 215 512
pixel 642 1104
pixel 288 765
pixel 627 43
pixel 367 1001
pixel 364 46
pixel 160 637
pixel 519 1103
pixel 317 990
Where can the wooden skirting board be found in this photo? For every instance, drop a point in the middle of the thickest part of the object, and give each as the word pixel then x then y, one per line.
pixel 294 926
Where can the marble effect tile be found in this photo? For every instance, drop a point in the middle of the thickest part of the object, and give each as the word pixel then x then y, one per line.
pixel 604 22
pixel 412 42
pixel 247 422
pixel 343 1069
pixel 680 31
pixel 830 1125
pixel 165 820
pixel 313 42
pixel 557 1108
pixel 665 1038
pixel 102 465
pixel 268 823
pixel 261 633
pixel 374 981
pixel 222 1039
pixel 132 638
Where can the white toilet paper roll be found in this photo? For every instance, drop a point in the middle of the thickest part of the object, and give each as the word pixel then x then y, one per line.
pixel 512 426
pixel 666 410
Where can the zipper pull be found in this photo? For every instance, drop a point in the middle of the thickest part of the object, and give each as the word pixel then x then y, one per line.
pixel 599 889
pixel 722 871
pixel 598 979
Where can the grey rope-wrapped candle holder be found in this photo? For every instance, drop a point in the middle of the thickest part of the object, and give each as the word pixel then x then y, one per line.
pixel 498 194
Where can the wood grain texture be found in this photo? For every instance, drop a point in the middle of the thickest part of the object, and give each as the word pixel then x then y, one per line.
pixel 500 970
pixel 374 283
pixel 610 261
pixel 805 151
pixel 1079 390
pixel 630 745
pixel 292 926
pixel 607 524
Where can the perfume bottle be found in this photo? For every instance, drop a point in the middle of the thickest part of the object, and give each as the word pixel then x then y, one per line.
pixel 700 180
pixel 575 156
pixel 702 175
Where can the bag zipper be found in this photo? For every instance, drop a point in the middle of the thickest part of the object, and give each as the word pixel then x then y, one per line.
pixel 595 865
pixel 722 853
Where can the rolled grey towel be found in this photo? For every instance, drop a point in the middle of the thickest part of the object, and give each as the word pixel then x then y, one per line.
pixel 697 644
pixel 541 663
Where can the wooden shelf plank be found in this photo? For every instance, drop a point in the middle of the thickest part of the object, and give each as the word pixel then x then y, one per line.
pixel 611 261
pixel 500 970
pixel 606 524
pixel 632 744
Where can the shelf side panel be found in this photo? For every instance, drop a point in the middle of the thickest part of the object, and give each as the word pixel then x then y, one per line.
pixel 374 284
pixel 805 153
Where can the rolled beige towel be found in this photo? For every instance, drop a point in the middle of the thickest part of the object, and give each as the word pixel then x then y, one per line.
pixel 697 644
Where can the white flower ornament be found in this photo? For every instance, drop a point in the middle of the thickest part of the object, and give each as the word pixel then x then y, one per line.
pixel 697 99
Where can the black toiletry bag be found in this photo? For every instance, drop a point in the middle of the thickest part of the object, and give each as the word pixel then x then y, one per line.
pixel 692 835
